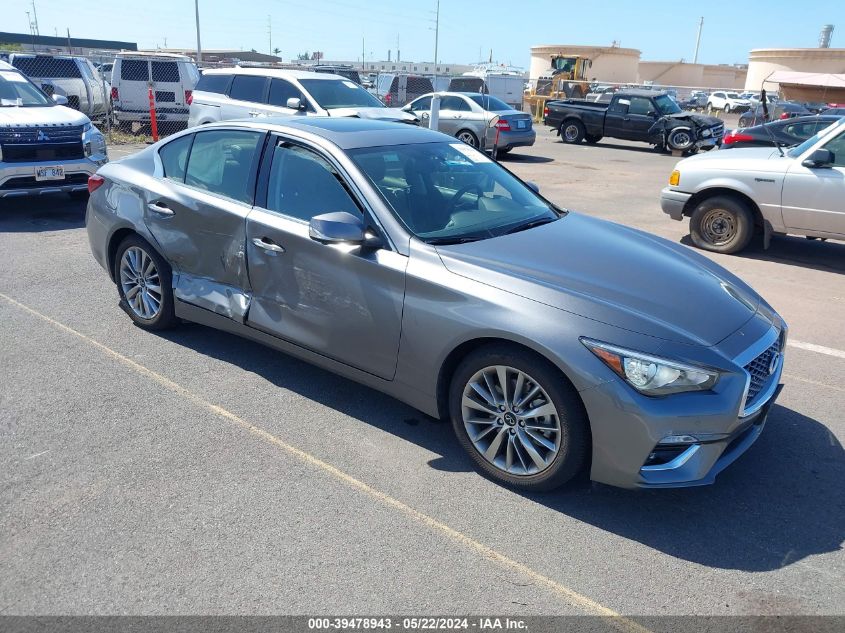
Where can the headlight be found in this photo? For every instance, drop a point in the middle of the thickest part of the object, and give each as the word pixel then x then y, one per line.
pixel 651 375
pixel 707 132
pixel 87 127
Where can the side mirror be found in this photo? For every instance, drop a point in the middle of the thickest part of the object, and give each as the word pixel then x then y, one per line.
pixel 820 158
pixel 60 99
pixel 295 103
pixel 533 186
pixel 338 227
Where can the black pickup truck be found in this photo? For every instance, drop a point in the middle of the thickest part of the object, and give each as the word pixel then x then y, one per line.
pixel 635 115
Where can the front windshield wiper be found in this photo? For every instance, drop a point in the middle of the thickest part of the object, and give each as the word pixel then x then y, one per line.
pixel 453 240
pixel 529 225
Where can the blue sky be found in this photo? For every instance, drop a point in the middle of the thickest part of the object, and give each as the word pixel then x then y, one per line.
pixel 661 30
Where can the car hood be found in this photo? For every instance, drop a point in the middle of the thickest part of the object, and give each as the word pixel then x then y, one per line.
pixel 702 120
pixel 612 274
pixel 41 116
pixel 745 159
pixel 380 114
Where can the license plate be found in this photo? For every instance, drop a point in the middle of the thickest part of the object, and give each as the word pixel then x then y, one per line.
pixel 520 125
pixel 50 173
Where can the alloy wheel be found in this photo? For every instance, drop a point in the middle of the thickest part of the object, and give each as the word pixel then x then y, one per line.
pixel 570 133
pixel 511 420
pixel 140 283
pixel 467 138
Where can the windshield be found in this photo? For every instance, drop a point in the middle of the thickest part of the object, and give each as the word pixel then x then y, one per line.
pixel 666 104
pixel 17 90
pixel 796 151
pixel 451 193
pixel 340 93
pixel 491 104
pixel 733 95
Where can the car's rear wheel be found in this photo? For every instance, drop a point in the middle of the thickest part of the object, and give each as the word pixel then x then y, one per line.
pixel 144 283
pixel 722 224
pixel 572 131
pixel 467 137
pixel 518 418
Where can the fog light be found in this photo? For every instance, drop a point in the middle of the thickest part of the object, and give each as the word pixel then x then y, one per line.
pixel 679 439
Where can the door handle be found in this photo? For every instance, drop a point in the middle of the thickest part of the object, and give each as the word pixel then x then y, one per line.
pixel 254 113
pixel 160 208
pixel 268 245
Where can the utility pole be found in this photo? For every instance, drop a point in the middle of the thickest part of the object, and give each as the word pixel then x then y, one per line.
pixel 69 47
pixel 363 57
pixel 436 35
pixel 698 41
pixel 35 18
pixel 199 46
pixel 270 34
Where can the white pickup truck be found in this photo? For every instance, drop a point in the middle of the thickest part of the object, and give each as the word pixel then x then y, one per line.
pixel 730 195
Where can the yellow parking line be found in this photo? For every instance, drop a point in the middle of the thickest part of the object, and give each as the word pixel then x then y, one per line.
pixel 570 595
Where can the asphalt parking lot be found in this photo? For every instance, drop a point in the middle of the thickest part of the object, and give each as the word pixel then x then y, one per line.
pixel 195 472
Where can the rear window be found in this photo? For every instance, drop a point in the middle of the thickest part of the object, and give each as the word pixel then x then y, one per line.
pixel 418 85
pixel 491 104
pixel 214 83
pixel 42 66
pixel 165 72
pixel 466 84
pixel 248 88
pixel 134 70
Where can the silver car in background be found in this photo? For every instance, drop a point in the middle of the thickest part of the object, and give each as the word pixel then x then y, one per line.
pixel 468 116
pixel 408 261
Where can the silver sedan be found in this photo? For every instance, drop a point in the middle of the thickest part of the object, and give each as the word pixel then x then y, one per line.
pixel 405 260
pixel 478 120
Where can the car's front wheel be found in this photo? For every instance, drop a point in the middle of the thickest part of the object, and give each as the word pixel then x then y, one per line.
pixel 519 419
pixel 722 224
pixel 144 283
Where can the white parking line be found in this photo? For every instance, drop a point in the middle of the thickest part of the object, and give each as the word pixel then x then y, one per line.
pixel 820 349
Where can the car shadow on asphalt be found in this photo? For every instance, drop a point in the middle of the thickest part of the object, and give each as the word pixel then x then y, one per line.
pixel 510 157
pixel 37 214
pixel 642 149
pixel 828 256
pixel 778 504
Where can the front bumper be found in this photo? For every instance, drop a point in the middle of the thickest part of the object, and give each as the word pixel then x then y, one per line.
pixel 18 179
pixel 673 202
pixel 681 440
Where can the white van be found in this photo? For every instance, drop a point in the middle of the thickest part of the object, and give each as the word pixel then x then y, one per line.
pixel 240 93
pixel 172 78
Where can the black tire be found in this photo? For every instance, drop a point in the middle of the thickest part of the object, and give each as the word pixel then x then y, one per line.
pixel 680 139
pixel 727 108
pixel 165 317
pixel 574 446
pixel 468 137
pixel 592 139
pixel 572 131
pixel 722 224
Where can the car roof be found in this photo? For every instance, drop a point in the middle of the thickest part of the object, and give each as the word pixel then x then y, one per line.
pixel 640 93
pixel 281 73
pixel 345 132
pixel 152 55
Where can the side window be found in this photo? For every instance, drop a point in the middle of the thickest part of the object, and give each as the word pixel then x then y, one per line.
pixel 134 70
pixel 837 146
pixel 167 72
pixel 302 184
pixel 248 88
pixel 174 157
pixel 453 103
pixel 640 105
pixel 620 106
pixel 221 162
pixel 214 83
pixel 281 91
pixel 421 104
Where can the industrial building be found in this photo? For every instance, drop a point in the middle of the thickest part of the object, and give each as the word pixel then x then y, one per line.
pixel 69 45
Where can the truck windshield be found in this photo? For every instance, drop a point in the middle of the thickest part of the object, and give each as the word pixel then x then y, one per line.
pixel 17 91
pixel 339 93
pixel 448 193
pixel 666 104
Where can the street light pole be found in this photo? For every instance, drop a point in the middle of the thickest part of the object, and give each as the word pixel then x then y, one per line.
pixel 199 46
pixel 436 35
pixel 698 41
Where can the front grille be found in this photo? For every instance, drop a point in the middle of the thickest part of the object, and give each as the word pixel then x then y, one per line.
pixel 46 152
pixel 758 369
pixel 29 182
pixel 41 134
pixel 718 131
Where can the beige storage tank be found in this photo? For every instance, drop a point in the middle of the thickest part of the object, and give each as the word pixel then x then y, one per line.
pixel 762 62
